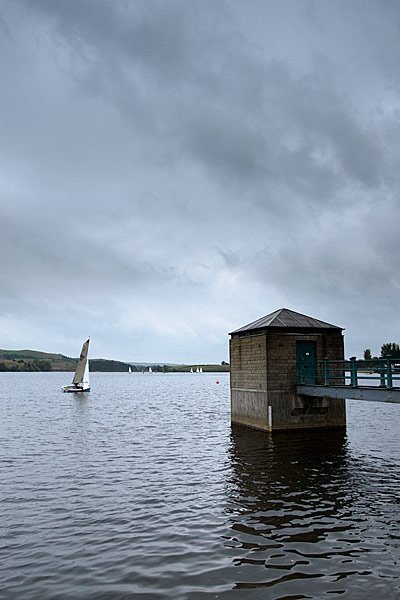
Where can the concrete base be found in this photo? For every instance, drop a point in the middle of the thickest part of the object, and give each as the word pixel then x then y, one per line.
pixel 275 412
pixel 250 407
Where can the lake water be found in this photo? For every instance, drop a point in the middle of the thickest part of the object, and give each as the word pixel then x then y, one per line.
pixel 142 489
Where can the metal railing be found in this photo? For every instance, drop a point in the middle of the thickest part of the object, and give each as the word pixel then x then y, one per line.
pixel 350 372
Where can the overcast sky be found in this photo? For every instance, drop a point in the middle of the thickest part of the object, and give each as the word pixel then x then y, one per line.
pixel 172 170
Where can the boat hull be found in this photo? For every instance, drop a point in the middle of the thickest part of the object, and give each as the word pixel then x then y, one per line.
pixel 71 389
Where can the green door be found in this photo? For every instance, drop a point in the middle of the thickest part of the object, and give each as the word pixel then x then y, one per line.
pixel 306 353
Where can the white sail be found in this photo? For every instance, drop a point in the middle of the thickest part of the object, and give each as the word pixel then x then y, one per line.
pixel 86 380
pixel 81 366
pixel 81 382
pixel 129 370
pixel 150 370
pixel 191 370
pixel 201 369
pixel 197 370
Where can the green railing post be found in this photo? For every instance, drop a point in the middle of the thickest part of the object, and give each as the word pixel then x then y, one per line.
pixel 389 379
pixel 382 372
pixel 353 371
pixel 326 371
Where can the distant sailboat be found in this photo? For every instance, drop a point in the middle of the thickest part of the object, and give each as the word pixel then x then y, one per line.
pixel 191 370
pixel 150 370
pixel 197 370
pixel 80 382
pixel 129 370
pixel 201 369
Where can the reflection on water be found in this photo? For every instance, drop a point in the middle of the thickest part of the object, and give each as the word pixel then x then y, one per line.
pixel 142 490
pixel 307 519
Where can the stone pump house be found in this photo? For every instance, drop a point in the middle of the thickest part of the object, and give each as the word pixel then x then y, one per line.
pixel 264 359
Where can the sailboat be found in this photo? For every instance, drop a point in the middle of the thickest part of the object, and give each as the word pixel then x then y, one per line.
pixel 150 370
pixel 80 382
pixel 129 370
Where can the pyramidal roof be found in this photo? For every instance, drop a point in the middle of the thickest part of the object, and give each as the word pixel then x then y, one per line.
pixel 285 318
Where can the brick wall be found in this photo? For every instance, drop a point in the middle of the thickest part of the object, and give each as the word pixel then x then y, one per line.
pixel 248 360
pixel 248 366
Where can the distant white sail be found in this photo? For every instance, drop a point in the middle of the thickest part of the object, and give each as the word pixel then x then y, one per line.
pixel 150 370
pixel 191 370
pixel 129 370
pixel 201 369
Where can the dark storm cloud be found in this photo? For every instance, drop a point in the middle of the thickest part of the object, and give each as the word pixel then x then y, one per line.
pixel 165 158
pixel 205 91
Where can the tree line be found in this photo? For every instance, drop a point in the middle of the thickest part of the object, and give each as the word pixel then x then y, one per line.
pixel 388 349
pixel 21 365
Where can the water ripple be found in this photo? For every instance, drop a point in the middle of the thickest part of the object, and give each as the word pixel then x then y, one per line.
pixel 141 489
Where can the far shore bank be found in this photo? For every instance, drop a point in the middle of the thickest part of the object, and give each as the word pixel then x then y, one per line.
pixel 31 361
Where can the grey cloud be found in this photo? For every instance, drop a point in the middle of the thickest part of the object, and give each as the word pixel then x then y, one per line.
pixel 355 147
pixel 228 138
pixel 166 158
pixel 163 38
pixel 231 258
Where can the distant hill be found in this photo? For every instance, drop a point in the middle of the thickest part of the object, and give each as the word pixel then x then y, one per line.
pixel 102 364
pixel 33 360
